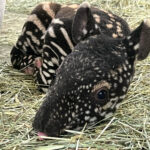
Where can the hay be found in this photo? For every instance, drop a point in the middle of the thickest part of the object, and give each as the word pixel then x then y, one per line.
pixel 19 98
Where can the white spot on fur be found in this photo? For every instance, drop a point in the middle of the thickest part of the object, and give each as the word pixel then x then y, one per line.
pixel 96 68
pixel 51 32
pixel 129 73
pixel 73 114
pixel 84 31
pixel 46 53
pixel 62 58
pixel 113 94
pixel 87 87
pixel 49 81
pixel 60 108
pixel 42 76
pixel 127 62
pixel 124 67
pixel 130 43
pixel 19 43
pixel 69 119
pixel 87 112
pixel 93 119
pixel 96 110
pixel 14 62
pixel 30 61
pixel 78 97
pixel 129 66
pixel 46 74
pixel 124 75
pixel 97 18
pixel 124 89
pixel 25 49
pixel 109 26
pixel 51 71
pixel 81 109
pixel 90 106
pixel 122 97
pixel 45 66
pixel 36 30
pixel 108 105
pixel 109 115
pixel 85 105
pixel 114 35
pixel 120 80
pixel 129 37
pixel 57 21
pixel 86 118
pixel 103 114
pixel 120 69
pixel 44 90
pixel 136 47
pixel 77 106
pixel 96 26
pixel 83 86
pixel 114 99
pixel 55 61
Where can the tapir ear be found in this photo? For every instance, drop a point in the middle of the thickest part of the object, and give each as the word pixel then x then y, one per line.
pixel 144 47
pixel 83 23
pixel 140 39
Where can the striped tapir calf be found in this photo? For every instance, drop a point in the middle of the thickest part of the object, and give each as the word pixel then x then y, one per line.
pixel 94 78
pixel 30 42
pixel 48 36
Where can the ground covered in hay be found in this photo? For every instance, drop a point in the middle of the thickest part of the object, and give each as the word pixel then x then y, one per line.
pixel 129 128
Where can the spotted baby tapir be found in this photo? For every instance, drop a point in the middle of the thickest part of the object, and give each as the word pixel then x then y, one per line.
pixel 48 36
pixel 93 79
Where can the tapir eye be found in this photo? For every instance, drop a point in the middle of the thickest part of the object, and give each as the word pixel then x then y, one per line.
pixel 102 94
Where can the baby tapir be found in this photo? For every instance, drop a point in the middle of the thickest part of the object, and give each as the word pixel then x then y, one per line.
pixel 93 79
pixel 46 37
pixel 30 42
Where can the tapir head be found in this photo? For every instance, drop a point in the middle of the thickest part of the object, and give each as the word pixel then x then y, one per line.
pixel 93 80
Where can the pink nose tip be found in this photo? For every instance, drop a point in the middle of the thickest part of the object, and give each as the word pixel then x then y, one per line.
pixel 41 134
pixel 38 62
